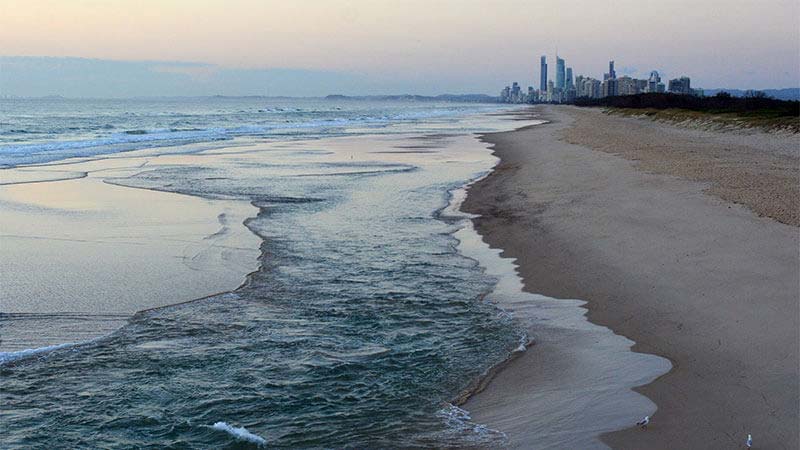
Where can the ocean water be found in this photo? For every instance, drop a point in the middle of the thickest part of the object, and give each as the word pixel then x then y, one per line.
pixel 361 324
pixel 41 130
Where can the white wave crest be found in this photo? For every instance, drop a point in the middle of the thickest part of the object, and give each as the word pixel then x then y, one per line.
pixel 459 424
pixel 6 357
pixel 240 433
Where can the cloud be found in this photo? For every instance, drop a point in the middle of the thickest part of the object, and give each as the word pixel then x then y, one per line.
pixel 84 77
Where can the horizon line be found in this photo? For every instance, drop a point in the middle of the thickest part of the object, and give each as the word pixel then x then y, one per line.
pixel 310 97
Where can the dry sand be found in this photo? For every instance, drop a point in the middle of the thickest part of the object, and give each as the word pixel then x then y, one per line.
pixel 756 169
pixel 664 259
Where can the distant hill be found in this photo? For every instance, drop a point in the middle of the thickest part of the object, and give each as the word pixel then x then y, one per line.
pixel 780 94
pixel 461 98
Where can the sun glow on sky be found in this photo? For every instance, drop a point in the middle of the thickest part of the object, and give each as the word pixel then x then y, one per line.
pixel 468 44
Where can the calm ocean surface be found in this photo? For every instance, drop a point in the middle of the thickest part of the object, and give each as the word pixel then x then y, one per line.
pixel 361 323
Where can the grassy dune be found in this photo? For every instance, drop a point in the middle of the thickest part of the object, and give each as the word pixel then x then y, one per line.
pixel 769 120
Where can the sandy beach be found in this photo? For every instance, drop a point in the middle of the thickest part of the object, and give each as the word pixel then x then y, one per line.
pixel 684 241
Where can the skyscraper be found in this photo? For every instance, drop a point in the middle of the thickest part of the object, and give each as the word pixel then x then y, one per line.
pixel 543 74
pixel 579 89
pixel 627 85
pixel 611 73
pixel 505 95
pixel 680 85
pixel 569 78
pixel 516 92
pixel 609 87
pixel 653 82
pixel 560 74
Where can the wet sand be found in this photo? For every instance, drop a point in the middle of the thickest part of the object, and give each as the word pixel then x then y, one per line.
pixel 587 358
pixel 79 256
pixel 664 258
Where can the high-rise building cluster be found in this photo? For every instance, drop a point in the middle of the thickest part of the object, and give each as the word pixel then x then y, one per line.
pixel 566 89
pixel 680 86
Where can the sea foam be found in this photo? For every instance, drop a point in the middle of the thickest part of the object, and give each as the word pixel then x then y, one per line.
pixel 6 357
pixel 459 423
pixel 240 433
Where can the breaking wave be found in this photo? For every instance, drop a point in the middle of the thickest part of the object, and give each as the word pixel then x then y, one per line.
pixel 240 433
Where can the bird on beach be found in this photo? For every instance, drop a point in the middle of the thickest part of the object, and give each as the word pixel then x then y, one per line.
pixel 643 423
pixel 749 441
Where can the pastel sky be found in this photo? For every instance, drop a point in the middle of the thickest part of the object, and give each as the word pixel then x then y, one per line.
pixel 393 46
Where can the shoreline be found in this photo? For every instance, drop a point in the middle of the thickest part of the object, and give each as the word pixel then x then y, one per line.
pixel 74 242
pixel 585 224
pixel 461 148
pixel 453 211
pixel 589 386
pixel 484 257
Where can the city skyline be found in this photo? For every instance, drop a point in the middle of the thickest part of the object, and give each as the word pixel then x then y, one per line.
pixel 566 88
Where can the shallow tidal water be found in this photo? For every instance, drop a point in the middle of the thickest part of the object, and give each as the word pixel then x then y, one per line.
pixel 361 323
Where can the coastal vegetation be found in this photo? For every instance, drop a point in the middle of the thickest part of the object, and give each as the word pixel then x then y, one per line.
pixel 723 110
